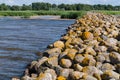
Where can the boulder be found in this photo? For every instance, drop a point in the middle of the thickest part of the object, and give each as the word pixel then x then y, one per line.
pixel 71 53
pixel 51 51
pixel 52 72
pixel 78 67
pixel 90 70
pixel 44 76
pixel 59 44
pixel 114 57
pixel 79 58
pixel 107 66
pixel 87 35
pixel 52 61
pixel 66 63
pixel 109 74
pixel 65 72
pixel 76 75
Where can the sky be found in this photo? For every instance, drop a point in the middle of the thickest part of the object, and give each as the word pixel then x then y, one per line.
pixel 20 2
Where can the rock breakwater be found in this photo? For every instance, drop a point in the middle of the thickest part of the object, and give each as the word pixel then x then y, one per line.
pixel 90 50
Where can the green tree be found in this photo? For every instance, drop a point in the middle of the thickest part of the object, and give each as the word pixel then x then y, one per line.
pixel 41 6
pixel 26 7
pixel 3 7
pixel 15 8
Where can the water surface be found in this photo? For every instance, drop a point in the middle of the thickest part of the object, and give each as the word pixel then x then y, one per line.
pixel 20 39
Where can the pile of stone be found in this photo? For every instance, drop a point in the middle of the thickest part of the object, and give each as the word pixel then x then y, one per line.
pixel 90 50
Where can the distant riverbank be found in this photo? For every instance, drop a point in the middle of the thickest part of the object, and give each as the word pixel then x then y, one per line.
pixel 42 14
pixel 29 14
pixel 45 17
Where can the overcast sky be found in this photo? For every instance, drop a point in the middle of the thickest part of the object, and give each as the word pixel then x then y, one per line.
pixel 20 2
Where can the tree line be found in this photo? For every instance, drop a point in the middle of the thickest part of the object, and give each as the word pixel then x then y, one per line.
pixel 48 6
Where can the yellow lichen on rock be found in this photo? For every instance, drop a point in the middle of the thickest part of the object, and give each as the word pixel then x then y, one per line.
pixel 61 78
pixel 71 53
pixel 58 44
pixel 87 35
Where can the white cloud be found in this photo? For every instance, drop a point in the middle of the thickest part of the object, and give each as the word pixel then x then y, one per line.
pixel 20 2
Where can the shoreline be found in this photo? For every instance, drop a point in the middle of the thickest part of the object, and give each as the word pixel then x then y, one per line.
pixel 82 53
pixel 44 17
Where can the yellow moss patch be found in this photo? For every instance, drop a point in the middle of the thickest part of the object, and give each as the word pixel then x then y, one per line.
pixel 71 53
pixel 63 62
pixel 41 75
pixel 85 61
pixel 58 44
pixel 67 44
pixel 87 35
pixel 61 78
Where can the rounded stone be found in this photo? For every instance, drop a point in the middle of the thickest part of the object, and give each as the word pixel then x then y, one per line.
pixel 90 70
pixel 58 44
pixel 44 76
pixel 51 51
pixel 71 53
pixel 52 61
pixel 87 35
pixel 97 76
pixel 79 58
pixel 107 66
pixel 100 58
pixel 90 51
pixel 52 72
pixel 65 63
pixel 114 57
pixel 109 74
pixel 78 67
pixel 76 75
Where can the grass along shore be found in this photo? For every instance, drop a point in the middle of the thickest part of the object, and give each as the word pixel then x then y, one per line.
pixel 63 14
